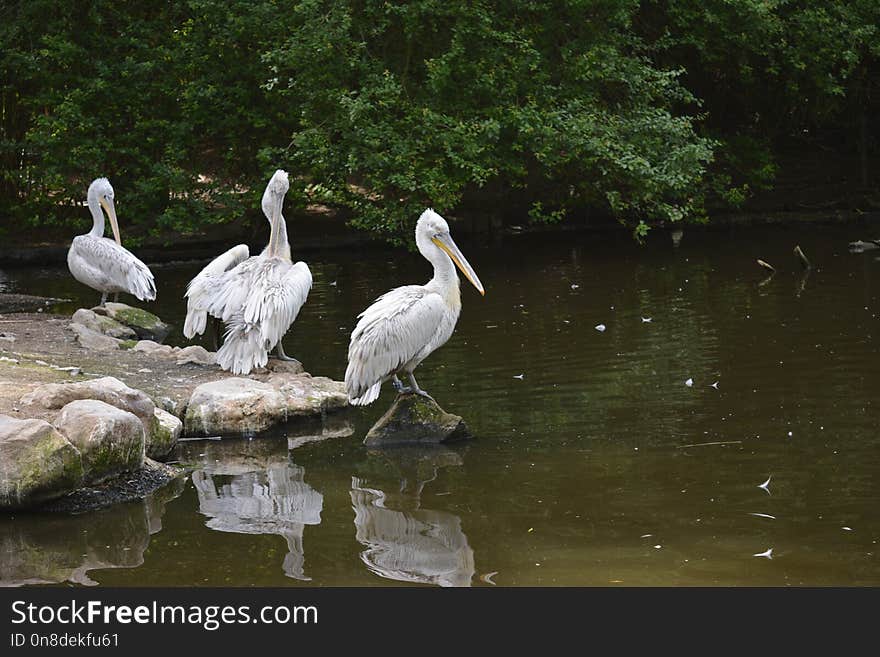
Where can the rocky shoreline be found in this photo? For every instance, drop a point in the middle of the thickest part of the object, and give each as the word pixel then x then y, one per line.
pixel 90 404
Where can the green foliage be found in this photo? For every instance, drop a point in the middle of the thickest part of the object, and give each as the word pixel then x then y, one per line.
pixel 543 106
pixel 641 110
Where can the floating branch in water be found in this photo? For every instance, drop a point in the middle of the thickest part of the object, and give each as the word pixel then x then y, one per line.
pixel 800 254
pixel 766 265
pixel 720 442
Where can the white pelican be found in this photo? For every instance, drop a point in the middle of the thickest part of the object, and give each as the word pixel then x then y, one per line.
pixel 260 297
pixel 405 325
pixel 104 264
pixel 201 289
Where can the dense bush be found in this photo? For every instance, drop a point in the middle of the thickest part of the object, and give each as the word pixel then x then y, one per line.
pixel 637 110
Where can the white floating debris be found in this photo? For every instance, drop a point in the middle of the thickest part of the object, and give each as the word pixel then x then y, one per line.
pixel 333 284
pixel 790 434
pixel 766 484
pixel 689 383
pixel 767 554
pixel 714 385
pixel 488 577
pixel 646 536
pixel 657 547
pixel 518 376
pixel 763 515
pixel 645 320
pixel 846 529
pixel 600 327
pixel 574 286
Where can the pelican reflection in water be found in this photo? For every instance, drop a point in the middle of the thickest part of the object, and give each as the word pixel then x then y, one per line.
pixel 407 543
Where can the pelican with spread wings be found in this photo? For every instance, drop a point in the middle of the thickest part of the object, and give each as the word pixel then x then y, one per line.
pixel 104 264
pixel 408 323
pixel 258 297
pixel 200 291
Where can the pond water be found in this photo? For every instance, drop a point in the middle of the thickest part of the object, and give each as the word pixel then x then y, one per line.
pixel 594 462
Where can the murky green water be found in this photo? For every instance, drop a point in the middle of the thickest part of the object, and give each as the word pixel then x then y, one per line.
pixel 595 463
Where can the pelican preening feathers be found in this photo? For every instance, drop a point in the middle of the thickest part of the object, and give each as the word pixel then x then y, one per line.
pixel 258 297
pixel 104 264
pixel 408 323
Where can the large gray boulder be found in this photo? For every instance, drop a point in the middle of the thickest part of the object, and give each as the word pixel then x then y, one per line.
pixel 106 389
pixel 415 419
pixel 163 436
pixel 233 406
pixel 102 324
pixel 110 440
pixel 37 463
pixel 145 324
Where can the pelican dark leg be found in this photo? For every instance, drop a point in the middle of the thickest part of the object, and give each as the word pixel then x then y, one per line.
pixel 215 332
pixel 415 386
pixel 279 350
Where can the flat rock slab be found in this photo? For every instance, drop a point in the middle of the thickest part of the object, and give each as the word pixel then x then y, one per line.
pixel 37 463
pixel 107 389
pixel 24 303
pixel 242 406
pixel 413 420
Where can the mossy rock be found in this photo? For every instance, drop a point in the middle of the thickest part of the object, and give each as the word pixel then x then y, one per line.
pixel 415 419
pixel 145 324
pixel 37 463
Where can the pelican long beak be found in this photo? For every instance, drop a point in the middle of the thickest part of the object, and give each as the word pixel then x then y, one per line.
pixel 445 242
pixel 275 232
pixel 114 222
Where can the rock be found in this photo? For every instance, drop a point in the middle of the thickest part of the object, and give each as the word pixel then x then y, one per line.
pixel 145 324
pixel 110 440
pixel 197 355
pixel 37 463
pixel 101 324
pixel 90 339
pixel 154 348
pixel 233 406
pixel 414 419
pixel 309 395
pixel 163 437
pixel 107 389
pixel 285 366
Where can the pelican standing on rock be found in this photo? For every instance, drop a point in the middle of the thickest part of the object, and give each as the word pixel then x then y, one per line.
pixel 258 298
pixel 104 264
pixel 405 325
pixel 201 289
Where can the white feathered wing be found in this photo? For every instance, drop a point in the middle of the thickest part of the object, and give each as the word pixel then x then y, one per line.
pixel 104 265
pixel 202 289
pixel 259 300
pixel 392 332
